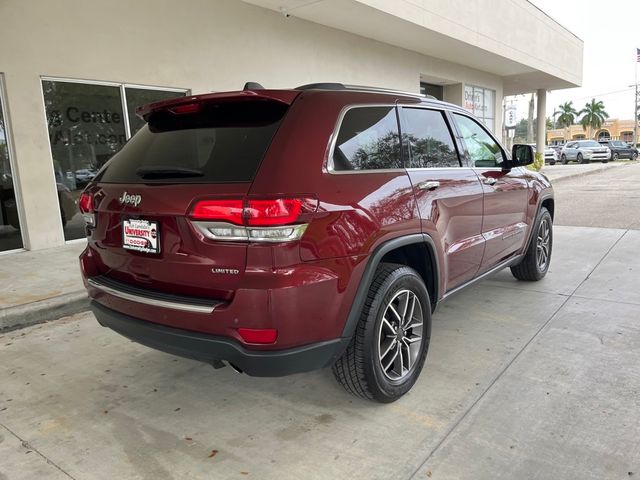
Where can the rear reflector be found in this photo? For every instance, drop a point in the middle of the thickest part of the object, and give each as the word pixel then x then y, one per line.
pixel 258 335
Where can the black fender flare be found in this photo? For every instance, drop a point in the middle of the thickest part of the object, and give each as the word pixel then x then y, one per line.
pixel 541 200
pixel 369 271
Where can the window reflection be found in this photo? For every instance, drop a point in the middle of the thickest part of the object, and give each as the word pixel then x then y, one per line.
pixel 10 237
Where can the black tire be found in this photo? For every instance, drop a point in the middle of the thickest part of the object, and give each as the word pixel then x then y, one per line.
pixel 563 159
pixel 552 162
pixel 360 370
pixel 634 156
pixel 530 268
pixel 581 159
pixel 614 156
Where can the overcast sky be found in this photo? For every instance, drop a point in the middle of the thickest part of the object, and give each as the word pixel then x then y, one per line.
pixel 611 33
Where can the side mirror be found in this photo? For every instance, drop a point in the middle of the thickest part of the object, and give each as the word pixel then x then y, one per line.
pixel 521 155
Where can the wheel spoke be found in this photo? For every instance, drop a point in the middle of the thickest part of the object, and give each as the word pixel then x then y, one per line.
pixel 408 318
pixel 410 340
pixel 399 360
pixel 388 349
pixel 393 359
pixel 408 353
pixel 385 323
pixel 395 312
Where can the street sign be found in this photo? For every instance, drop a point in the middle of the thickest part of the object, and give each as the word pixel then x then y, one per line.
pixel 510 120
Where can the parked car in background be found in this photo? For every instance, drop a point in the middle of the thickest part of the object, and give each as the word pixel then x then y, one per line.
pixel 584 151
pixel 620 149
pixel 259 247
pixel 550 155
pixel 84 176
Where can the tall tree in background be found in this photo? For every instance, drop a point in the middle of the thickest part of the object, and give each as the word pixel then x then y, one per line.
pixel 567 117
pixel 593 115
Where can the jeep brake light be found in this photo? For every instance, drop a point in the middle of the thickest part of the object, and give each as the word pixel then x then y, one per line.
pixel 231 211
pixel 251 219
pixel 279 211
pixel 85 205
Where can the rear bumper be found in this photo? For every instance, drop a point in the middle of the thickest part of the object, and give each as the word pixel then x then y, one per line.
pixel 209 348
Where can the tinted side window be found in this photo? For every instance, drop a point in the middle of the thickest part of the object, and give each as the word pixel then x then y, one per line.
pixel 368 140
pixel 429 140
pixel 483 150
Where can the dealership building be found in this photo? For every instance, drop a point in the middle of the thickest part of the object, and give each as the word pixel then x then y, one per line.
pixel 73 71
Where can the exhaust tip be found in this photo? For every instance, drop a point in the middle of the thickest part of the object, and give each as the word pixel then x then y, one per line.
pixel 235 369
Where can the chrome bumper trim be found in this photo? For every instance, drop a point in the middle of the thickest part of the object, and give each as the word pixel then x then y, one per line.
pixel 156 302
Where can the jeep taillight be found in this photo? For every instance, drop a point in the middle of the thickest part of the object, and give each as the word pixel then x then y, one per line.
pixel 253 219
pixel 86 206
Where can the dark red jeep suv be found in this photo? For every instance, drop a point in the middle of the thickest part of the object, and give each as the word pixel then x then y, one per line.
pixel 281 231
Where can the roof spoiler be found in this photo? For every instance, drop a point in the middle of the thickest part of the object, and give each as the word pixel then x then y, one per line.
pixel 282 96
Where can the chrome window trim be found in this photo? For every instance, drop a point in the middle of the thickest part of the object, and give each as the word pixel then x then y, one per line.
pixel 451 130
pixel 186 307
pixel 334 138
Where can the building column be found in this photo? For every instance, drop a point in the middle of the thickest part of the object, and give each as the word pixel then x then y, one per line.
pixel 541 121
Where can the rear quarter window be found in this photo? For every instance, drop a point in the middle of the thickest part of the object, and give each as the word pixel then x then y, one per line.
pixel 368 139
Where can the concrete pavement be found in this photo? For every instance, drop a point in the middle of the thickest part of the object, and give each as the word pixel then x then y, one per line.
pixel 609 198
pixel 40 286
pixel 523 380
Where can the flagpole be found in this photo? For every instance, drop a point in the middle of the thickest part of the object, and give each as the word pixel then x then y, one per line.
pixel 635 111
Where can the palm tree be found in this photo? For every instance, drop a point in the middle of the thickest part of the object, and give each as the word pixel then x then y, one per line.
pixel 567 116
pixel 593 115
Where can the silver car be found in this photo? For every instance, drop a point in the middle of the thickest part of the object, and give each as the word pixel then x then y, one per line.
pixel 550 155
pixel 583 151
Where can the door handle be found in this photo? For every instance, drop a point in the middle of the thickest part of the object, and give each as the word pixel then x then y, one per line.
pixel 490 181
pixel 428 185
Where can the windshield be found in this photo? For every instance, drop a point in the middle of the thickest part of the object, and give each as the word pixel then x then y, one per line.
pixel 589 143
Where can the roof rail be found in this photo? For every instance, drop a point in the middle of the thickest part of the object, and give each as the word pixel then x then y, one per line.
pixel 361 88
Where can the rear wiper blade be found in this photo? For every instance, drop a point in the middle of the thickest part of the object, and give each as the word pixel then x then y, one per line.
pixel 168 172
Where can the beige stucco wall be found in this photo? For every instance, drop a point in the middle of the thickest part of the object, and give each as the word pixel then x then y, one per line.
pixel 202 45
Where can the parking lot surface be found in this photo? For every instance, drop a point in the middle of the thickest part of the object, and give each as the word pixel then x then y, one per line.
pixel 523 380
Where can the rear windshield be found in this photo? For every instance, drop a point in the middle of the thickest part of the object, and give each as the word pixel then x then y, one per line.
pixel 222 143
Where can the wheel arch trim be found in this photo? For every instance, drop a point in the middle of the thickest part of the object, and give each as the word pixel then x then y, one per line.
pixel 370 269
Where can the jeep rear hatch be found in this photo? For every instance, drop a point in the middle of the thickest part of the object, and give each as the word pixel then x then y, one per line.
pixel 153 202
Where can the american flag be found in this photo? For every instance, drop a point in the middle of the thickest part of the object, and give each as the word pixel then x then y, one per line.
pixel 637 54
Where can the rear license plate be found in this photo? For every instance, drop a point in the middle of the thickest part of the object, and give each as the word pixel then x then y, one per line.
pixel 141 235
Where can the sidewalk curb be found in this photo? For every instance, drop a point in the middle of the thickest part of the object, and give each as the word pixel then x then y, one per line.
pixel 589 172
pixel 41 311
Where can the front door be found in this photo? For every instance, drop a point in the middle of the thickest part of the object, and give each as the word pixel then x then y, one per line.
pixel 449 197
pixel 505 193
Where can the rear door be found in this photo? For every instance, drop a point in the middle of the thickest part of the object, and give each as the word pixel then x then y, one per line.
pixel 505 192
pixel 145 194
pixel 449 197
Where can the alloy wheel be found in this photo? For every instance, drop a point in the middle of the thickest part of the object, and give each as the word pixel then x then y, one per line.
pixel 543 244
pixel 400 335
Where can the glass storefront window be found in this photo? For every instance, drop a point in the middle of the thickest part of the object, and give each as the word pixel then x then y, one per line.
pixel 481 102
pixel 142 96
pixel 87 126
pixel 10 237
